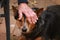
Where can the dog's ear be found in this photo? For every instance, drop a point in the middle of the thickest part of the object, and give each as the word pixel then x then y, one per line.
pixel 15 12
pixel 14 9
pixel 39 12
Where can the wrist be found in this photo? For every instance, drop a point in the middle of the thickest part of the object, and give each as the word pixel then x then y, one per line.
pixel 22 1
pixel 22 5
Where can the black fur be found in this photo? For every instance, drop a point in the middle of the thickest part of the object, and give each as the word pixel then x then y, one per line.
pixel 51 17
pixel 48 25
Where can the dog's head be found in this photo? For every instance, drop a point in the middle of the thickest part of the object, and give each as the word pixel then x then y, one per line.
pixel 23 24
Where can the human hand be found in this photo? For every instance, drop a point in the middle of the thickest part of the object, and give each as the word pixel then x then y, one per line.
pixel 31 16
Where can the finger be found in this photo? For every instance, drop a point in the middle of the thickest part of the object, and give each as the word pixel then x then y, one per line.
pixel 34 20
pixel 29 20
pixel 33 17
pixel 33 14
pixel 20 14
pixel 26 14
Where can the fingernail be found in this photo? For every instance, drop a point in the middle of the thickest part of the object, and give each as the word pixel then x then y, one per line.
pixel 37 18
pixel 33 22
pixel 19 18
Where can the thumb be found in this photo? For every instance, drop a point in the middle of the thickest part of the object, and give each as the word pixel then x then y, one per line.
pixel 20 14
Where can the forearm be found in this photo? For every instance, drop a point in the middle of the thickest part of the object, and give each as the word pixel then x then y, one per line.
pixel 22 1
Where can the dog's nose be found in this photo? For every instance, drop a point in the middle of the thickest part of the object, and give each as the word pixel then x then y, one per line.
pixel 24 29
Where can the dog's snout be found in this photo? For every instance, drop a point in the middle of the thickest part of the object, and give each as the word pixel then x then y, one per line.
pixel 24 29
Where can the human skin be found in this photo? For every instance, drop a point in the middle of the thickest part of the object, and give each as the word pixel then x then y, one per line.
pixel 31 16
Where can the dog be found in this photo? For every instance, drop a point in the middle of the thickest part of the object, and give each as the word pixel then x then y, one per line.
pixel 47 26
pixel 27 28
pixel 51 17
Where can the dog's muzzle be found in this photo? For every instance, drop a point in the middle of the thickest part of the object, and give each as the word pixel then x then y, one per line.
pixel 24 29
